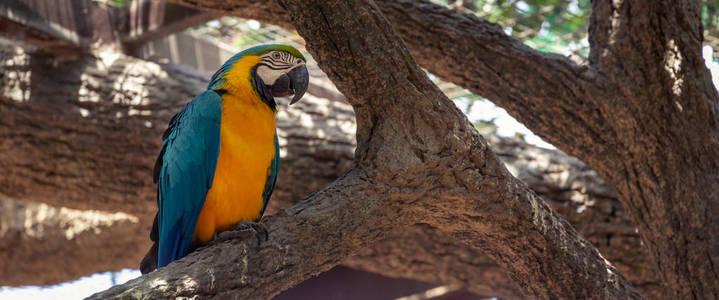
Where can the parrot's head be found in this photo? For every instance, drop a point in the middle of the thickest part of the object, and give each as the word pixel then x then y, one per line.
pixel 271 70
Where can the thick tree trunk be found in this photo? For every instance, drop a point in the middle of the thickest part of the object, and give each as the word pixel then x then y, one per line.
pixel 642 111
pixel 418 160
pixel 669 151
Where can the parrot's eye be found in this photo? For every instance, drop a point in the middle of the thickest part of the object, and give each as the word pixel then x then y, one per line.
pixel 276 55
pixel 299 61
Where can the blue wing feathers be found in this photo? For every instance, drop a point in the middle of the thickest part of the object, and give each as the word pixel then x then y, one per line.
pixel 187 165
pixel 272 178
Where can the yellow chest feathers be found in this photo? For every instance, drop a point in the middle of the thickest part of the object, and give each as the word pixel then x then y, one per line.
pixel 247 147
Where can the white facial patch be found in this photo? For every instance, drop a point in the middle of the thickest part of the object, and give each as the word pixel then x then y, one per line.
pixel 269 76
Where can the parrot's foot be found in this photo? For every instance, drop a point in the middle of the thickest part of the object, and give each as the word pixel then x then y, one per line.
pixel 244 230
pixel 261 228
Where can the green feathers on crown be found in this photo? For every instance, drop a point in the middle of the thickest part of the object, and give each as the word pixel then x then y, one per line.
pixel 262 49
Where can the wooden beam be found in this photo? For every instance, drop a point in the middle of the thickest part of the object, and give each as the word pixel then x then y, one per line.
pixel 60 25
pixel 153 19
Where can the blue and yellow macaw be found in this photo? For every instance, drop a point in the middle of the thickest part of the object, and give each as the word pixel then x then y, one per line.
pixel 220 156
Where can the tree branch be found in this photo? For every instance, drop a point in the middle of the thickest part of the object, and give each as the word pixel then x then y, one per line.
pixel 547 92
pixel 478 174
pixel 305 240
pixel 421 252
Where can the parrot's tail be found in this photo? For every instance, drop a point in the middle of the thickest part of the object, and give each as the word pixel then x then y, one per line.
pixel 149 263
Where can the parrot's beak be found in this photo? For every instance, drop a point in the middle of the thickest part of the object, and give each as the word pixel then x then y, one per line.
pixel 299 80
pixel 294 82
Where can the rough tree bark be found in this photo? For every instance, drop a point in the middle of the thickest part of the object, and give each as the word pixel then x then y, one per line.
pixel 642 111
pixel 418 160
pixel 665 129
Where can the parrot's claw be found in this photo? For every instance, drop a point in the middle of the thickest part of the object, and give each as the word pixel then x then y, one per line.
pixel 236 233
pixel 260 227
pixel 244 230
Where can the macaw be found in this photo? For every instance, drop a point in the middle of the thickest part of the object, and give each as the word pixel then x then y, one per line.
pixel 220 155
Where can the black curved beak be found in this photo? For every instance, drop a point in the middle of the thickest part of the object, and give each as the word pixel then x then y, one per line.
pixel 299 81
pixel 294 82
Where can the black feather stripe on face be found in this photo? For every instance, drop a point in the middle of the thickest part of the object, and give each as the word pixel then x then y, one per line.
pixel 274 67
pixel 262 90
